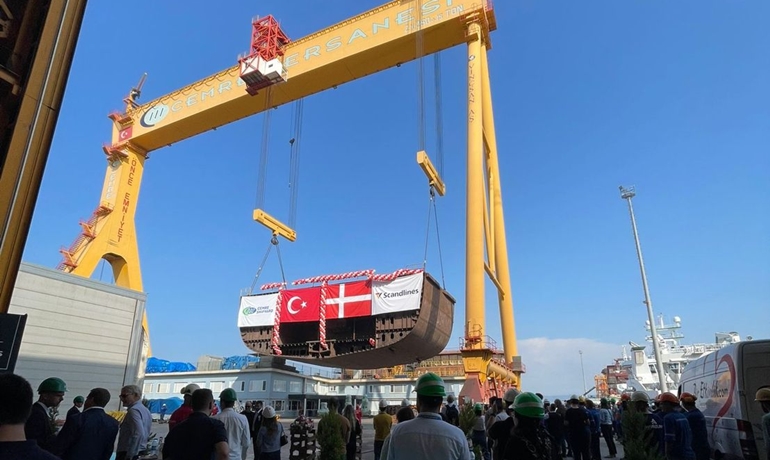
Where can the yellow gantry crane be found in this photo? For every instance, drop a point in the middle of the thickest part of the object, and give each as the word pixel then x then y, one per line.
pixel 381 38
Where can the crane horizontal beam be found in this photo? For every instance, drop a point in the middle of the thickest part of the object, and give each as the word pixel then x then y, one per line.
pixel 376 40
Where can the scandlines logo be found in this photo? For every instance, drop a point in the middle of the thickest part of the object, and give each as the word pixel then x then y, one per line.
pixel 401 293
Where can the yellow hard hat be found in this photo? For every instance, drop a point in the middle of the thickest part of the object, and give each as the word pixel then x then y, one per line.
pixel 763 395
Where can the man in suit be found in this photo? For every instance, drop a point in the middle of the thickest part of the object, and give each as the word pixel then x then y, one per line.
pixel 88 435
pixel 40 426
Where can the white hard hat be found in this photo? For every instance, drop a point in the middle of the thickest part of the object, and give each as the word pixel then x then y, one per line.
pixel 268 412
pixel 640 396
pixel 189 389
pixel 510 395
pixel 383 404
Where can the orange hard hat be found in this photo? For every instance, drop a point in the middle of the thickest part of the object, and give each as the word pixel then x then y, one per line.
pixel 667 397
pixel 625 397
pixel 688 398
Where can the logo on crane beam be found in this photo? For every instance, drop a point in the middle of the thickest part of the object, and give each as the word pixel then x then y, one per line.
pixel 154 115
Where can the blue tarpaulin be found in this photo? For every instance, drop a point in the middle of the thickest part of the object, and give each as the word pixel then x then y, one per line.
pixel 160 366
pixel 172 404
pixel 238 362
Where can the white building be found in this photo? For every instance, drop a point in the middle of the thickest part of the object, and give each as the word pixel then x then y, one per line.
pixel 292 388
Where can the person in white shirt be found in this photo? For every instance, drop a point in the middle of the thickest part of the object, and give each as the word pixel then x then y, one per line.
pixel 237 426
pixel 427 436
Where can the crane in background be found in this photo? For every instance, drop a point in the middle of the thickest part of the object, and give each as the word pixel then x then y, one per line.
pixel 278 71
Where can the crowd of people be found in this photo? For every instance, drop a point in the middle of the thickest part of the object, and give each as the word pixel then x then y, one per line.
pixel 518 426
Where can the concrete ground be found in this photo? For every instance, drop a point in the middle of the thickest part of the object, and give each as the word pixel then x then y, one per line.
pixel 368 440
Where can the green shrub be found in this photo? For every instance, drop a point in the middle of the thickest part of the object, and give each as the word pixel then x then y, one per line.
pixel 329 437
pixel 637 442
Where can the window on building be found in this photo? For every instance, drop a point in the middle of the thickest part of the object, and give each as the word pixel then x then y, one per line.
pixel 332 388
pixel 178 387
pixel 243 385
pixel 147 388
pixel 397 388
pixel 279 405
pixel 310 388
pixel 295 405
pixel 164 387
pixel 279 385
pixel 217 387
pixel 295 387
pixel 257 385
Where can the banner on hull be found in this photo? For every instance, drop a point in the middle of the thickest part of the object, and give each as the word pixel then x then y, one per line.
pixel 343 300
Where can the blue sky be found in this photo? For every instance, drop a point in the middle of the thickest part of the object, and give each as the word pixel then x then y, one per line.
pixel 672 97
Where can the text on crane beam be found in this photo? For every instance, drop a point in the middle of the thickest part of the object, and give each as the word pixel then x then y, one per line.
pixel 410 19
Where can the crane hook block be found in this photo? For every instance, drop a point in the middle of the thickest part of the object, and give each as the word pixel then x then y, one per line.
pixel 276 226
pixel 433 176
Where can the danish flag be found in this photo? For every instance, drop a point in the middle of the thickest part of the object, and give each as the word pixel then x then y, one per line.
pixel 349 300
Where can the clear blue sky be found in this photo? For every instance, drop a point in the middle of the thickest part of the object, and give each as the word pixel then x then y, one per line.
pixel 673 97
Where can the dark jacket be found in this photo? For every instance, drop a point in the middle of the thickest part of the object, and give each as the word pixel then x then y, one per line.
pixel 89 435
pixel 38 427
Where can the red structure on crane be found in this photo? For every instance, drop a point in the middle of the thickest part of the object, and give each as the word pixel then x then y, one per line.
pixel 262 67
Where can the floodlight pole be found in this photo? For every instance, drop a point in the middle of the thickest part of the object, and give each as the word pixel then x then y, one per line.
pixel 627 194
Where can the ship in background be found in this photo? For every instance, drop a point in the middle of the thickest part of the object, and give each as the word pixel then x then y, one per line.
pixel 637 371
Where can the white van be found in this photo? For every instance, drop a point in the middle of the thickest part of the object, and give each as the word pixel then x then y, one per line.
pixel 725 382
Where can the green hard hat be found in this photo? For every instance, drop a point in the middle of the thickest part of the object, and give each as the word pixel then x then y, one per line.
pixel 603 400
pixel 478 406
pixel 228 394
pixel 78 399
pixel 613 401
pixel 430 384
pixel 529 405
pixel 52 385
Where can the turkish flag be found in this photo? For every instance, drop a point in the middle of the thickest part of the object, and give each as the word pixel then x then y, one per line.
pixel 125 134
pixel 298 305
pixel 348 300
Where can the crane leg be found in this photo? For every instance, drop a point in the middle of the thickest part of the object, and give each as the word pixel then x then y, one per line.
pixel 475 350
pixel 113 234
pixel 502 273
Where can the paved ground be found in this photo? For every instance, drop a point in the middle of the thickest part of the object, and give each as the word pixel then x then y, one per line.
pixel 368 440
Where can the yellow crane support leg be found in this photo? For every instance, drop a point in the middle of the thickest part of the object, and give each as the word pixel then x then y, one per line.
pixel 476 354
pixel 111 234
pixel 502 273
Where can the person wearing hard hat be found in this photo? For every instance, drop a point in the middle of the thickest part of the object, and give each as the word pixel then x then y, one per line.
pixel 15 406
pixel 382 423
pixel 427 436
pixel 184 411
pixel 270 435
pixel 653 424
pixel 528 440
pixel 676 428
pixel 236 424
pixel 77 406
pixel 763 398
pixel 700 438
pixel 39 425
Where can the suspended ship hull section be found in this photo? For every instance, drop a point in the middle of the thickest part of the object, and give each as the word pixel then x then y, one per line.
pixel 384 337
